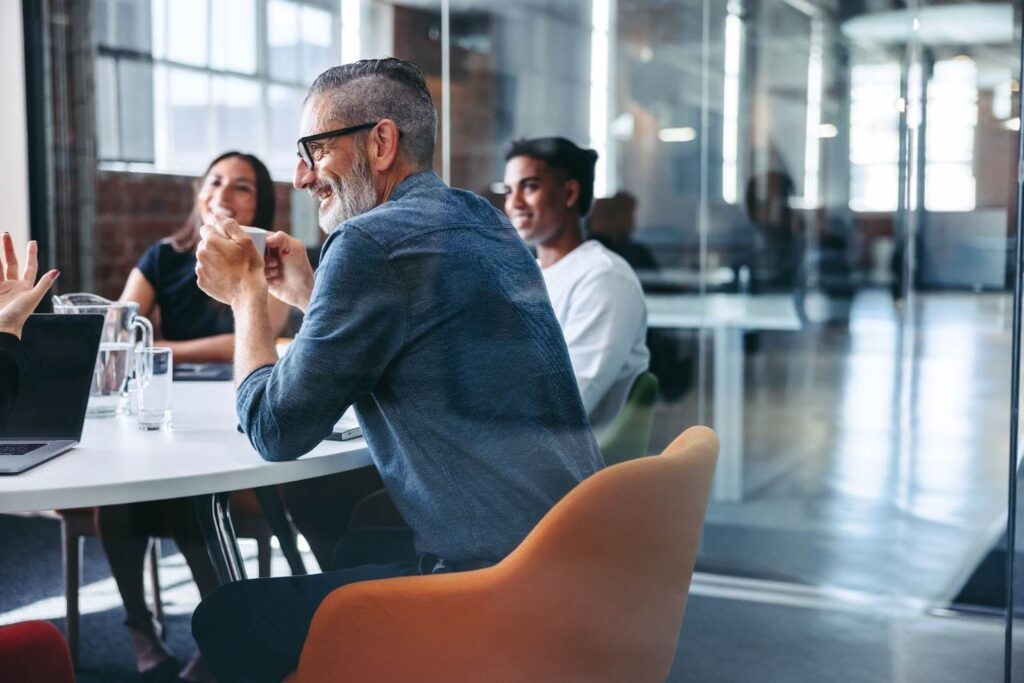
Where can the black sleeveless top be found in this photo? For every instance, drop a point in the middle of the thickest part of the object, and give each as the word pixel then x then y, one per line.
pixel 186 312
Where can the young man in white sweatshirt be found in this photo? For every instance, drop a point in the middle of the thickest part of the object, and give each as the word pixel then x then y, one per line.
pixel 597 298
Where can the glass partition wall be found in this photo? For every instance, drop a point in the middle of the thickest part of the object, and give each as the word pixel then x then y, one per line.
pixel 820 200
pixel 836 183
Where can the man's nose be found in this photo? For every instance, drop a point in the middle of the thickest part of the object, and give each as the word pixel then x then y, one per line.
pixel 304 176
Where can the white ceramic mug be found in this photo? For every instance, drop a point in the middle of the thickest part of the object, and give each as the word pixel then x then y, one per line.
pixel 259 237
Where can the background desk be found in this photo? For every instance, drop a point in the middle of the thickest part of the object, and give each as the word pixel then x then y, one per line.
pixel 202 453
pixel 728 316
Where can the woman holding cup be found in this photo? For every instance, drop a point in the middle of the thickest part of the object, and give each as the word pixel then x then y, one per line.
pixel 197 329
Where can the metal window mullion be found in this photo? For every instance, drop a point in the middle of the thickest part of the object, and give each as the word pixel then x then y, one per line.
pixel 446 89
pixel 262 73
pixel 211 121
pixel 262 42
pixel 1013 491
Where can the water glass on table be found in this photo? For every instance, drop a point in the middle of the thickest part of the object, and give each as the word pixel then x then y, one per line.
pixel 154 372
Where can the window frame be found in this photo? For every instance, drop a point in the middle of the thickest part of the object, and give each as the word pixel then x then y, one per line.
pixel 261 77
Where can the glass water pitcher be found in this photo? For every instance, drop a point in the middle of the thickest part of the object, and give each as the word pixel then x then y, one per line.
pixel 123 329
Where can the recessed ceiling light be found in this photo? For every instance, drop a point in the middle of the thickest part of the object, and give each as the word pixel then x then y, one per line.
pixel 827 130
pixel 685 134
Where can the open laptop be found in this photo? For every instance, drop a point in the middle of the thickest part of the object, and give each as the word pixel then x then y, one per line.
pixel 49 412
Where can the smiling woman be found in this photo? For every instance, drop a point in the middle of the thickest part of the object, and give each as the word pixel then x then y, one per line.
pixel 198 329
pixel 195 327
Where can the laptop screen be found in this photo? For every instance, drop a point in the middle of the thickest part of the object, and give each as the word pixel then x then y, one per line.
pixel 60 353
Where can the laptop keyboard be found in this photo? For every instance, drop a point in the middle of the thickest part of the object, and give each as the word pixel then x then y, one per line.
pixel 19 448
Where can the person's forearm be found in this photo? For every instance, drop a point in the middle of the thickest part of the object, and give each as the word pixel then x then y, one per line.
pixel 216 349
pixel 296 295
pixel 254 335
pixel 303 299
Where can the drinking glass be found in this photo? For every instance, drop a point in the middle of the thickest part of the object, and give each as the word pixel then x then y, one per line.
pixel 154 370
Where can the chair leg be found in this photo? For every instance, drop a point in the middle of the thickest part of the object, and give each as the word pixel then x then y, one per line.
pixel 263 554
pixel 72 579
pixel 154 577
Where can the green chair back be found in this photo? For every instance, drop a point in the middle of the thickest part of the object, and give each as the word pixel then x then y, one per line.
pixel 629 435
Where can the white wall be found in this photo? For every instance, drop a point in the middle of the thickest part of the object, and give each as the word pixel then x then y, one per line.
pixel 13 130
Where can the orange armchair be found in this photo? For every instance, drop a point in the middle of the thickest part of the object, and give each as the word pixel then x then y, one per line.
pixel 596 592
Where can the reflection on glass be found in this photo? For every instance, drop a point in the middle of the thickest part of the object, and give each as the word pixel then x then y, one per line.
pixel 600 45
pixel 854 161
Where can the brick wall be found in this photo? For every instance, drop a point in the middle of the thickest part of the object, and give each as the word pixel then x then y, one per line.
pixel 134 210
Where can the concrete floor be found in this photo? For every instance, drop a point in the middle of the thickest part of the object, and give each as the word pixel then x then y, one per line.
pixel 876 453
pixel 875 469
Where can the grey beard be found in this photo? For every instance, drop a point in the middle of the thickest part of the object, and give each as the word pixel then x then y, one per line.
pixel 354 194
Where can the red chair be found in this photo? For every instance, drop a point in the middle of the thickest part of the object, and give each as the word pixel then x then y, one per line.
pixel 34 652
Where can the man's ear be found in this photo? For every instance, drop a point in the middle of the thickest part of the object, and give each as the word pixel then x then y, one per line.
pixel 572 193
pixel 383 146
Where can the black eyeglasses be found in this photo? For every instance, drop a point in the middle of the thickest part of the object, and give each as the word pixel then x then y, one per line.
pixel 306 154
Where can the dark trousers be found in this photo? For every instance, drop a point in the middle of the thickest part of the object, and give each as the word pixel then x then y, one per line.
pixel 254 630
pixel 321 507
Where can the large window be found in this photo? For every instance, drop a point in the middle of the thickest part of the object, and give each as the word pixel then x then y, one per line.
pixel 179 81
pixel 875 106
pixel 949 145
pixel 950 121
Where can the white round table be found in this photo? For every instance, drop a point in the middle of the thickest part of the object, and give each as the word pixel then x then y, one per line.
pixel 202 454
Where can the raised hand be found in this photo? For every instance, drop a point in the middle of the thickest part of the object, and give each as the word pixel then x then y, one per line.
pixel 227 263
pixel 19 296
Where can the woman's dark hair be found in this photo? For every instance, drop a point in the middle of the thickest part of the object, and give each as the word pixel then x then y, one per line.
pixel 559 153
pixel 187 236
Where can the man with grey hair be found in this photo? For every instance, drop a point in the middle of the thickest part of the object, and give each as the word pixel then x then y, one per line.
pixel 429 315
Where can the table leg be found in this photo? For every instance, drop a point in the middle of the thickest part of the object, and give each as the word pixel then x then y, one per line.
pixel 221 544
pixel 728 415
pixel 277 519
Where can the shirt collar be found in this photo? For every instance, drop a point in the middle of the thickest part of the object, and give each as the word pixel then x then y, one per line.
pixel 420 180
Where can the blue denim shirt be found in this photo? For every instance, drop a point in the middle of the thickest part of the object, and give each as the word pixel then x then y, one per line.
pixel 431 316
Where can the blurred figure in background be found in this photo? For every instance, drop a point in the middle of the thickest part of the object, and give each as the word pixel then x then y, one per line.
pixel 198 329
pixel 612 222
pixel 549 187
pixel 775 266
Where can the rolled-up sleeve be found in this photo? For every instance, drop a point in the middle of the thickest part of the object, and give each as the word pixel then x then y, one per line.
pixel 354 327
